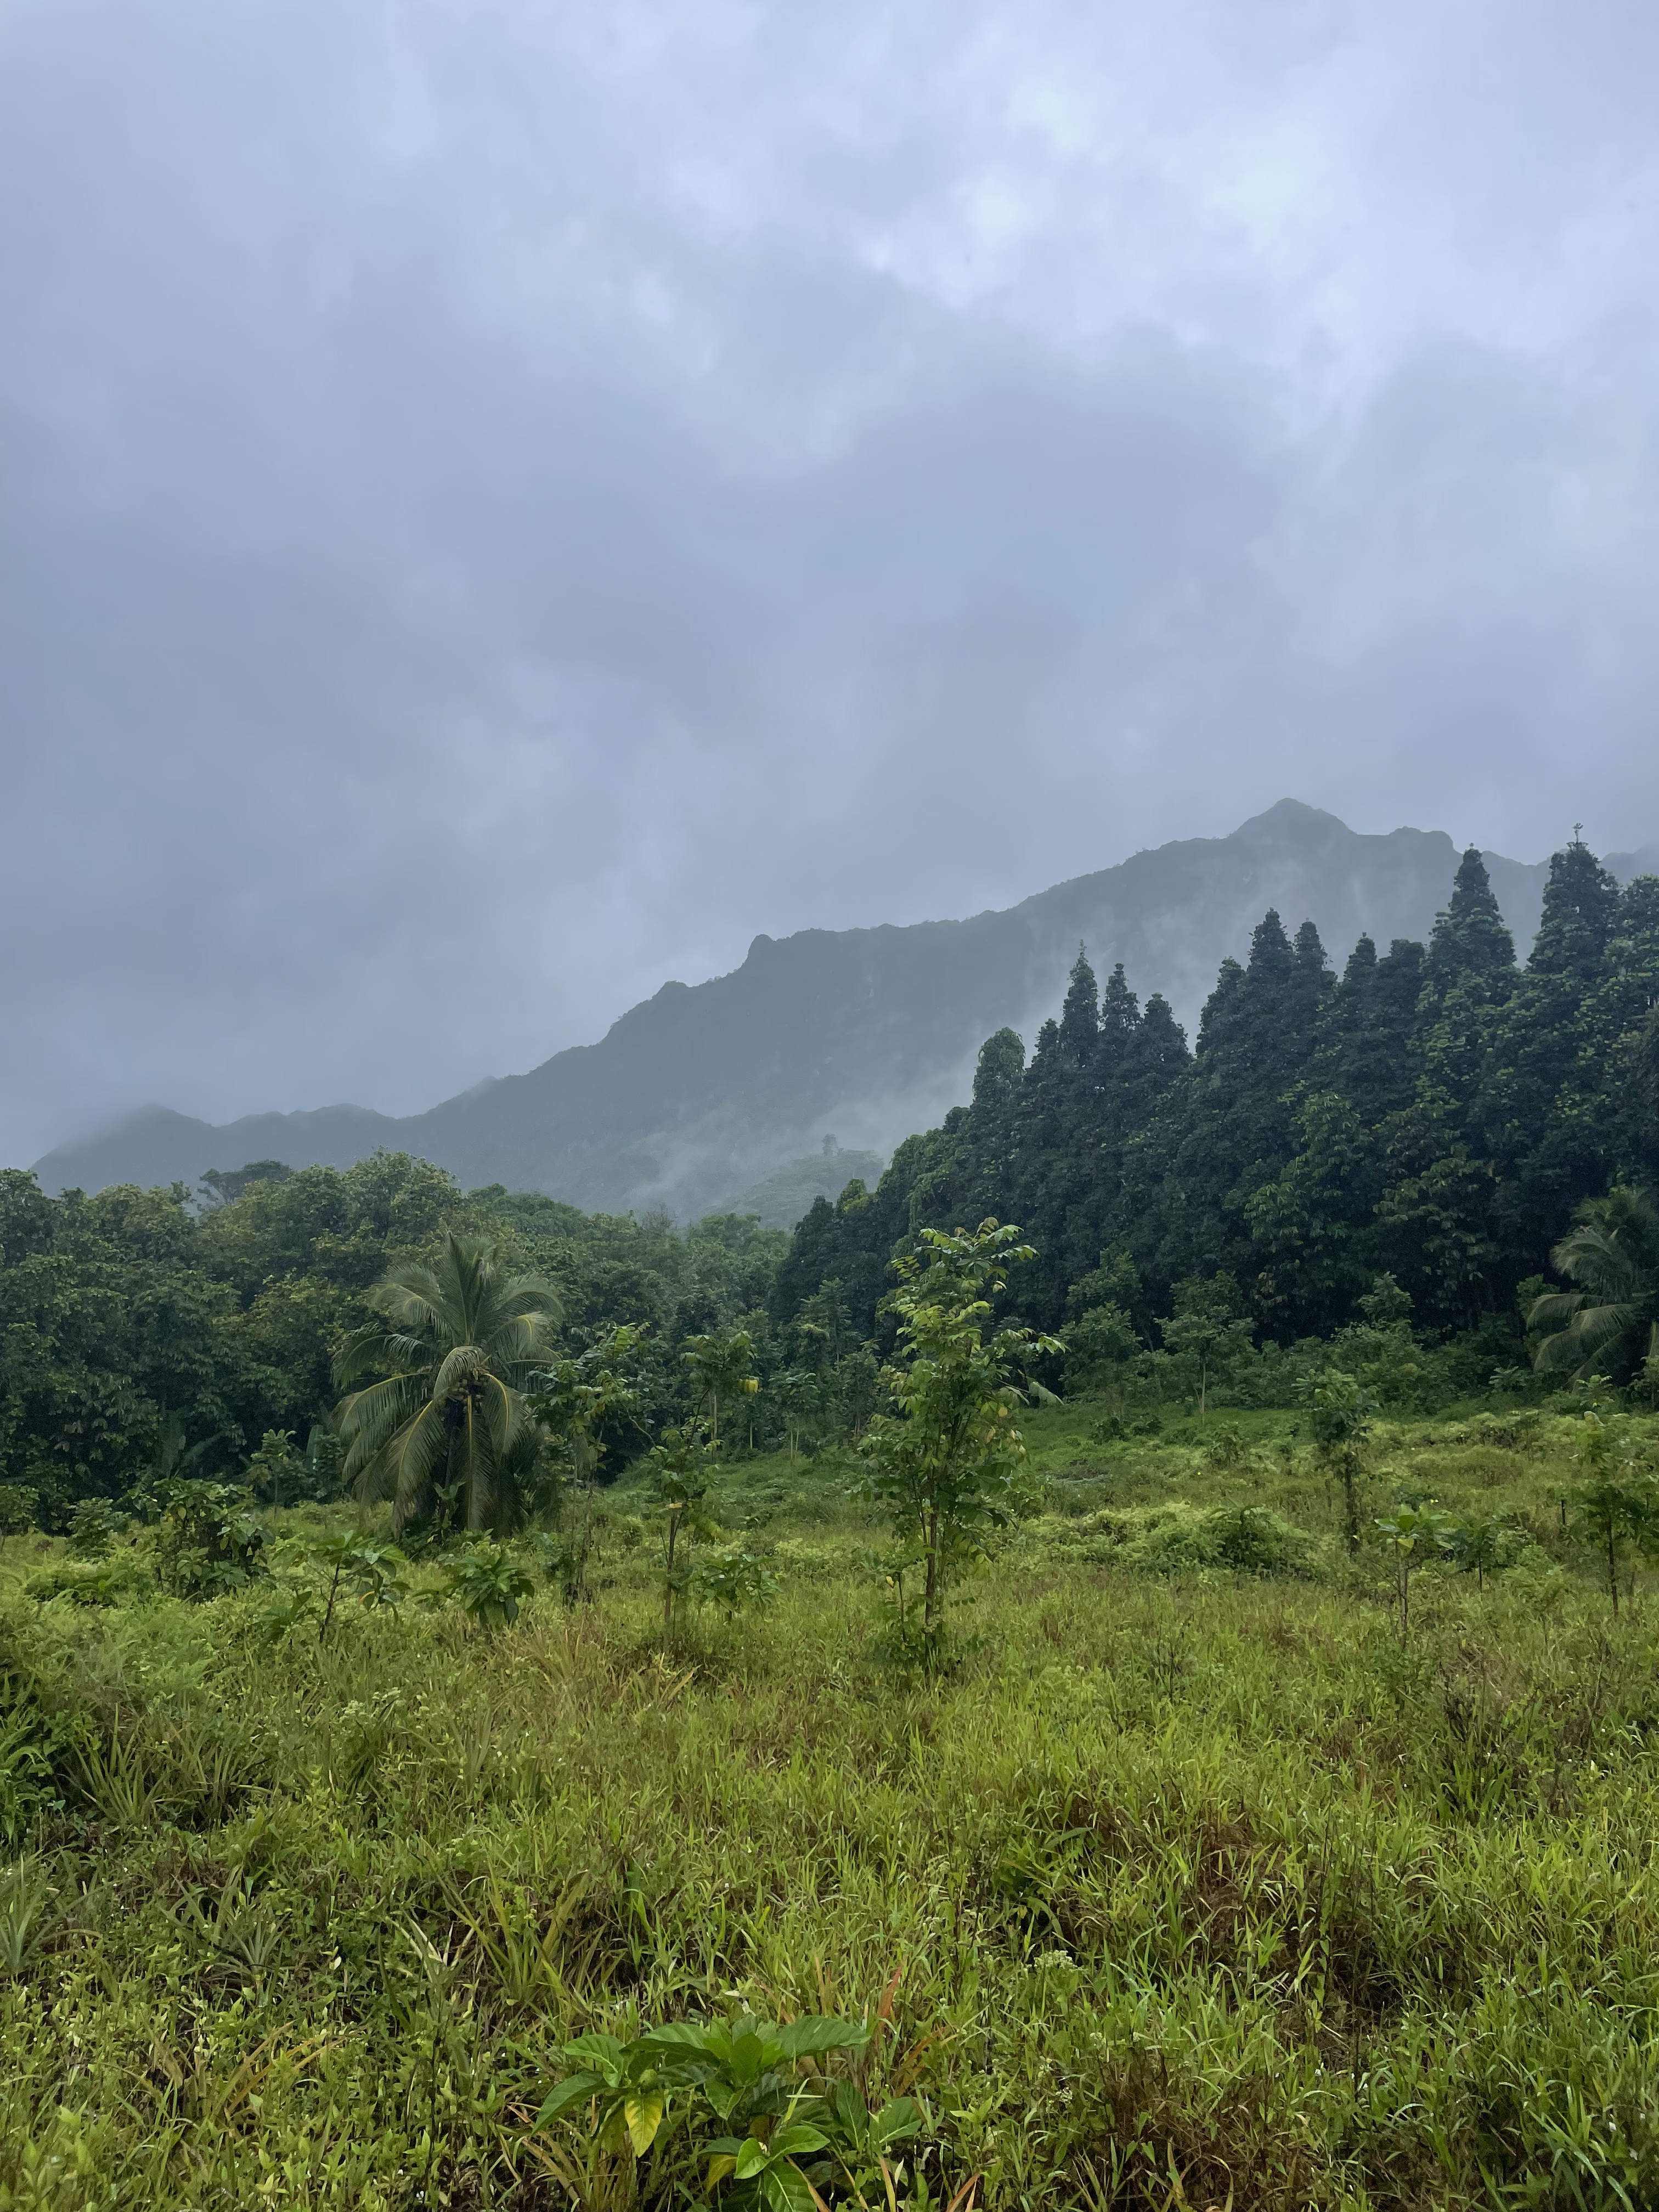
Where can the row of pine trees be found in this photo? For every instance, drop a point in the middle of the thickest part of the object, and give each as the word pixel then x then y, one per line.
pixel 1436 1113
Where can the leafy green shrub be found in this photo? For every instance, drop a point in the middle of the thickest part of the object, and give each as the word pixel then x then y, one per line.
pixel 1101 1346
pixel 789 2130
pixel 1339 1415
pixel 489 1584
pixel 564 1562
pixel 681 1466
pixel 1225 1448
pixel 370 1571
pixel 94 1527
pixel 210 1539
pixel 733 1581
pixel 18 1505
pixel 945 1464
pixel 277 1475
pixel 106 1582
pixel 1618 1503
pixel 29 1745
pixel 1181 1539
pixel 1250 1540
pixel 1413 1533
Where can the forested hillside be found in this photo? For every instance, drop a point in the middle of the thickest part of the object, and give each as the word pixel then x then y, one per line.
pixel 1396 1151
pixel 698 1098
pixel 1435 1114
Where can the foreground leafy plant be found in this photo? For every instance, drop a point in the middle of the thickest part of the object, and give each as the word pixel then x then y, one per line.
pixel 779 2109
pixel 18 1503
pixel 1413 1531
pixel 1339 1416
pixel 1477 1547
pixel 734 1581
pixel 943 1467
pixel 1617 1503
pixel 211 1540
pixel 371 1571
pixel 489 1585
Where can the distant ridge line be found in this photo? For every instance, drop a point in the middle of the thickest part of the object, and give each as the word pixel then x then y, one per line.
pixel 698 1094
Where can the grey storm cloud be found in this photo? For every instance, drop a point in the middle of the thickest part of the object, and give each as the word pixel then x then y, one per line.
pixel 502 503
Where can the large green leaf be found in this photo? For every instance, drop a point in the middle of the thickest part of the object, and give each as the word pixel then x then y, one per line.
pixel 643 2114
pixel 571 2091
pixel 818 2032
pixel 601 2052
pixel 797 2141
pixel 894 2122
pixel 787 2189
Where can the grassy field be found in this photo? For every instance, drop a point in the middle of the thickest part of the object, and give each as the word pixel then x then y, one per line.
pixel 1187 1880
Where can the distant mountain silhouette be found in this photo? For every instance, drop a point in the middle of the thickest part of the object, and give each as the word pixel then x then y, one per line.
pixel 705 1096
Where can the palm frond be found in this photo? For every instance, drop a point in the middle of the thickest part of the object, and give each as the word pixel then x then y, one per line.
pixel 405 1290
pixel 370 1417
pixel 423 1450
pixel 1554 1310
pixel 1595 1326
pixel 502 1413
pixel 1593 1257
pixel 458 1337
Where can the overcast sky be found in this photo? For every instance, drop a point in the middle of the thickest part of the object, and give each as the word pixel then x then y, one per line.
pixel 502 502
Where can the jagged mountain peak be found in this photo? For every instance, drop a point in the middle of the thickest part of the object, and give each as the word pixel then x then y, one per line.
pixel 704 1094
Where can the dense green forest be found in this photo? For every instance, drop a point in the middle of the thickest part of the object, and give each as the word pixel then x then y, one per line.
pixel 1436 1116
pixel 143 1329
pixel 1390 1156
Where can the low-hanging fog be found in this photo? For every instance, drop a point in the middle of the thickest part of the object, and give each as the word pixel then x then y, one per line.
pixel 502 503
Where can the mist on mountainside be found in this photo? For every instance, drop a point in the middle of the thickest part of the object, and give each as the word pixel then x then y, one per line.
pixel 721 1095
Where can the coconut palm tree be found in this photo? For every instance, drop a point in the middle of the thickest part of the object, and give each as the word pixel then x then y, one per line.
pixel 1610 1324
pixel 460 1339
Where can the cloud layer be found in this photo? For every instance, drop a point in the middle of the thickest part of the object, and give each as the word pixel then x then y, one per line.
pixel 506 502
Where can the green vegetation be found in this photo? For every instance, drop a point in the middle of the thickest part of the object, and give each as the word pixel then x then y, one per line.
pixel 1438 1116
pixel 445 1423
pixel 1195 1865
pixel 895 1716
pixel 944 1461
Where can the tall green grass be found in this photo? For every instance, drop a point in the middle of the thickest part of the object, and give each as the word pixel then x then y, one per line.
pixel 1182 1882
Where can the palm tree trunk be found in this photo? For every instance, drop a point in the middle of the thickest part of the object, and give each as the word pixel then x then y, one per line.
pixel 476 1500
pixel 452 1464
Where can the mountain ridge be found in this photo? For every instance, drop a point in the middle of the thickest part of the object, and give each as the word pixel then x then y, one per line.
pixel 694 1095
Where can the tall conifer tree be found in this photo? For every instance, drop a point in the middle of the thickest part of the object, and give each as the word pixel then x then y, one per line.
pixel 1471 943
